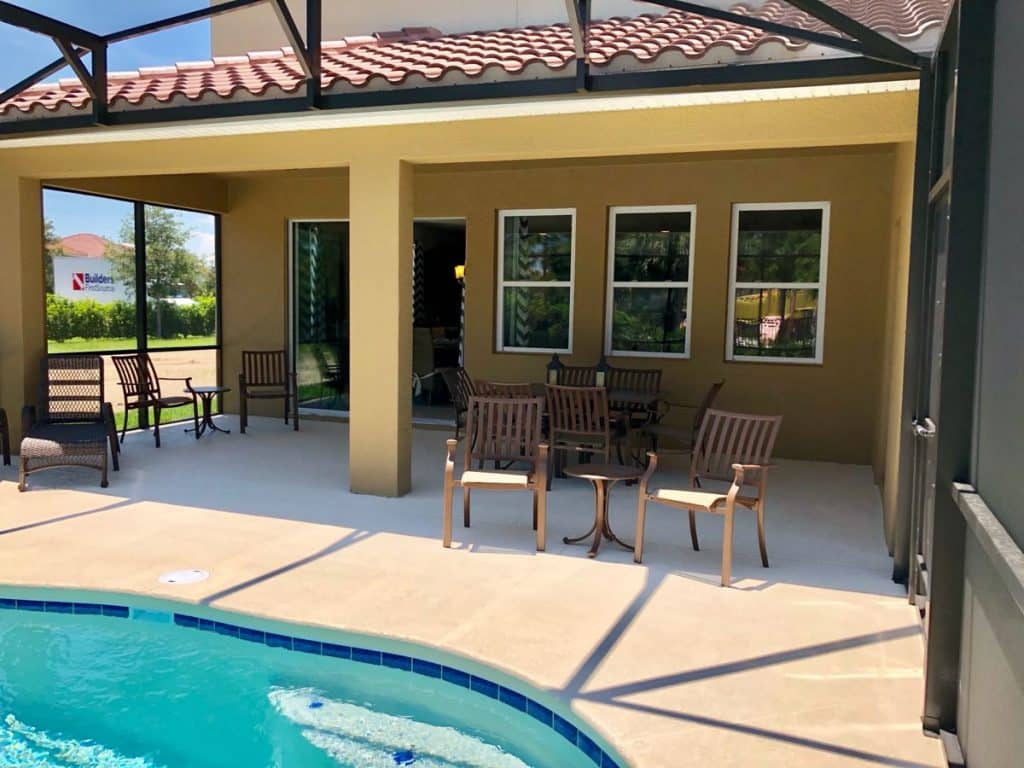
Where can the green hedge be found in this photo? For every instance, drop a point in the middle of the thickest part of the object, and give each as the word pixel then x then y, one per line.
pixel 88 319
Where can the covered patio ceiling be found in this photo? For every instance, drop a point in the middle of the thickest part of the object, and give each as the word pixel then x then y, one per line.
pixel 691 45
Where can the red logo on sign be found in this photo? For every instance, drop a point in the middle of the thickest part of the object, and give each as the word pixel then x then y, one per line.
pixel 78 281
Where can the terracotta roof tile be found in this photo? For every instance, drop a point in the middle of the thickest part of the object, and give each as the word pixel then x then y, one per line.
pixel 418 56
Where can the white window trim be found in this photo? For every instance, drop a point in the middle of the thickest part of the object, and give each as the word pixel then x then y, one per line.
pixel 502 283
pixel 612 283
pixel 819 349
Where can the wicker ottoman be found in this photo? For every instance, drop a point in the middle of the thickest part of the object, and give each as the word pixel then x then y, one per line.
pixel 63 445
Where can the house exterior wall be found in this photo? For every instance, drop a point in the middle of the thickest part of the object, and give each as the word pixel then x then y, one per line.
pixel 832 411
pixel 258 29
pixel 991 690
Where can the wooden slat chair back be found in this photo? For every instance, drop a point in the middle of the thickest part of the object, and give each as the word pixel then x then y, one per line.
pixel 732 447
pixel 140 388
pixel 460 389
pixel 265 376
pixel 484 388
pixel 500 429
pixel 636 380
pixel 577 376
pixel 578 421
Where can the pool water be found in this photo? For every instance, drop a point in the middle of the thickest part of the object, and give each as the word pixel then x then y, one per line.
pixel 102 692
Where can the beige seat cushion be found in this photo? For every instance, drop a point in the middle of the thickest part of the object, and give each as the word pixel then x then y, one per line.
pixel 495 477
pixel 699 499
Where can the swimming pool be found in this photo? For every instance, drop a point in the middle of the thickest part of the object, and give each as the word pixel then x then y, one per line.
pixel 104 681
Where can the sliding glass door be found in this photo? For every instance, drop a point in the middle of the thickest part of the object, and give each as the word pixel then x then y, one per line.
pixel 319 313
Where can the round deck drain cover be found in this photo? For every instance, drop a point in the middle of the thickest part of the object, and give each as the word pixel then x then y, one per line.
pixel 190 576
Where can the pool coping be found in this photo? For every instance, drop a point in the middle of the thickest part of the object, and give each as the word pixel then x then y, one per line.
pixel 554 715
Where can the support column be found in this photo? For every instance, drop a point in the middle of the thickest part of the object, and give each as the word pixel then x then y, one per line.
pixel 380 326
pixel 22 297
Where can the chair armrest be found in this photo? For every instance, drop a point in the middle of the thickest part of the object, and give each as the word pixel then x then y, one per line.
pixel 175 378
pixel 652 467
pixel 742 469
pixel 449 460
pixel 28 418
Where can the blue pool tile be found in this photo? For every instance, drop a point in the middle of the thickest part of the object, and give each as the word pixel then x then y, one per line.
pixel 337 651
pixel 366 656
pixel 207 625
pixel 538 712
pixel 428 668
pixel 88 609
pixel 513 699
pixel 457 676
pixel 31 605
pixel 55 606
pixel 181 619
pixel 589 748
pixel 305 646
pixel 118 611
pixel 252 635
pixel 486 687
pixel 607 761
pixel 8 602
pixel 277 641
pixel 564 728
pixel 222 628
pixel 396 661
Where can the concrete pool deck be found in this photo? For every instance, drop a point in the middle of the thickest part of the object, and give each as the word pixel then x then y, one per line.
pixel 815 661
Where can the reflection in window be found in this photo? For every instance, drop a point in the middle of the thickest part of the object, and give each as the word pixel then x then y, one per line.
pixel 650 281
pixel 535 286
pixel 778 287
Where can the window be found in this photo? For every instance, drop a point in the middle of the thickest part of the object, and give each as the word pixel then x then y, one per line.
pixel 535 277
pixel 650 270
pixel 777 298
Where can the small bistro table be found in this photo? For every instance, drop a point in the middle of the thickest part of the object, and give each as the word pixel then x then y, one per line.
pixel 206 394
pixel 603 477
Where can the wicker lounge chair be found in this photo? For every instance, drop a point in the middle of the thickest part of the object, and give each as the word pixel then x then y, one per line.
pixel 5 438
pixel 73 426
pixel 734 447
pixel 265 376
pixel 503 430
pixel 140 386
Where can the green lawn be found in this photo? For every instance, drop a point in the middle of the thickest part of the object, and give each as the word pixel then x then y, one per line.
pixel 167 416
pixel 116 345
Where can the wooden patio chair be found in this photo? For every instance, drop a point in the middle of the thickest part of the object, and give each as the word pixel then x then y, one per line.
pixel 500 429
pixel 460 389
pixel 265 376
pixel 485 388
pixel 630 416
pixel 681 438
pixel 731 447
pixel 140 387
pixel 577 376
pixel 72 425
pixel 5 438
pixel 578 422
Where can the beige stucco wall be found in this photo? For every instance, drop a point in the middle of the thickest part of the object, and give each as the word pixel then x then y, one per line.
pixel 832 411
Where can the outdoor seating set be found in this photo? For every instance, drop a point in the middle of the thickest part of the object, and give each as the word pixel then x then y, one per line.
pixel 74 426
pixel 519 435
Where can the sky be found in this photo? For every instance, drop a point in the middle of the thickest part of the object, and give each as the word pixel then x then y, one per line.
pixel 26 52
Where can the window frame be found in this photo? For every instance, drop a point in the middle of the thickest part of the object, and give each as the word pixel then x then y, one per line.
pixel 502 284
pixel 612 283
pixel 825 207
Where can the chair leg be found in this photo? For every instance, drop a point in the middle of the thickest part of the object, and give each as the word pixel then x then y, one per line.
pixel 295 411
pixel 243 412
pixel 446 526
pixel 156 424
pixel 541 506
pixel 727 548
pixel 124 429
pixel 641 515
pixel 535 510
pixel 195 415
pixel 693 531
pixel 22 473
pixel 465 507
pixel 760 534
pixel 103 472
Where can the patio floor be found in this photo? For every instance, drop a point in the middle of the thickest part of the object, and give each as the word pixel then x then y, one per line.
pixel 813 662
